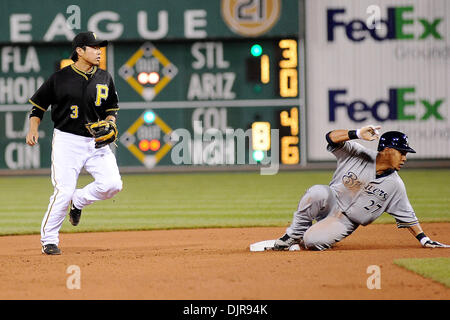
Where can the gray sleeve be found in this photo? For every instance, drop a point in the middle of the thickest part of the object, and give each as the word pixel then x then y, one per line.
pixel 351 149
pixel 400 208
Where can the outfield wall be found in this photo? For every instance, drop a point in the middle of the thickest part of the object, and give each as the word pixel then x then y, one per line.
pixel 220 67
pixel 326 68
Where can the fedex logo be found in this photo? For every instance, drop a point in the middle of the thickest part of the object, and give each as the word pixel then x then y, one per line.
pixel 400 105
pixel 394 27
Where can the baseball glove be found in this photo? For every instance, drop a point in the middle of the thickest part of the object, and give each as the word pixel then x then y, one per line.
pixel 104 132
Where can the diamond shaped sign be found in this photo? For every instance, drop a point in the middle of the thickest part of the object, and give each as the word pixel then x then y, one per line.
pixel 148 59
pixel 129 139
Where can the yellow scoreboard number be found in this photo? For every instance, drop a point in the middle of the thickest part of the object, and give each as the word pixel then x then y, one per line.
pixel 261 136
pixel 288 74
pixel 289 144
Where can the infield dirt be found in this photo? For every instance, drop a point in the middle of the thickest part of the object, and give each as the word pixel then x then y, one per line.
pixel 215 264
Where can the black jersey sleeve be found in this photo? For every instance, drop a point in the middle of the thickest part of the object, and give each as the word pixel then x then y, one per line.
pixel 112 103
pixel 42 98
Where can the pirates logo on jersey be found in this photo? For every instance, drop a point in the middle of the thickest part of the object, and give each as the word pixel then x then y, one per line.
pixel 102 93
pixel 250 17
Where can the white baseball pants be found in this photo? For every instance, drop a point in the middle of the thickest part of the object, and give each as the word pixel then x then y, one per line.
pixel 70 153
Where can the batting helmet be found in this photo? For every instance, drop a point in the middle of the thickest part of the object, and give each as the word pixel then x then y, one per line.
pixel 396 140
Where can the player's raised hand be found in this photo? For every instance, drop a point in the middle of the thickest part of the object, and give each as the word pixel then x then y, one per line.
pixel 369 132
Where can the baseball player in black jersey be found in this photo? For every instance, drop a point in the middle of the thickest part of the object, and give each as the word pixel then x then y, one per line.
pixel 78 94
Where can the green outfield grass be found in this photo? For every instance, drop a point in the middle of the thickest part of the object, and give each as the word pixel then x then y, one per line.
pixel 437 269
pixel 164 201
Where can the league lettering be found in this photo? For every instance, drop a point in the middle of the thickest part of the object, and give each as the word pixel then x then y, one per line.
pixel 195 26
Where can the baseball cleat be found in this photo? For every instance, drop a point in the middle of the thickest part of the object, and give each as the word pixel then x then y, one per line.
pixel 74 214
pixel 286 243
pixel 51 249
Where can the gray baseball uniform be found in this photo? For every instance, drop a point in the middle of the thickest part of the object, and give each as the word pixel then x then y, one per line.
pixel 355 196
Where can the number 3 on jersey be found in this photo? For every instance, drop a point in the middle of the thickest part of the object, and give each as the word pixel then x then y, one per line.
pixel 74 112
pixel 102 93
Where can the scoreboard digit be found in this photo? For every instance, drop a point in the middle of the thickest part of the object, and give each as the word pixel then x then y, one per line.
pixel 261 136
pixel 288 74
pixel 289 144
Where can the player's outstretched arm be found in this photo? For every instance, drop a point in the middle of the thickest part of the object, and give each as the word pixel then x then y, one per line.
pixel 368 133
pixel 426 242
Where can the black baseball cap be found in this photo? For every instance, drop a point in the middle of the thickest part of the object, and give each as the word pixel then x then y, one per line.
pixel 86 39
pixel 396 140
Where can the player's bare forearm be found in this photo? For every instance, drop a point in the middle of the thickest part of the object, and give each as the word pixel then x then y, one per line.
pixel 368 133
pixel 33 133
pixel 426 242
pixel 338 136
pixel 415 230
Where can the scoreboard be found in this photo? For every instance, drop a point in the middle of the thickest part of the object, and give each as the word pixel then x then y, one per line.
pixel 220 86
pixel 228 97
